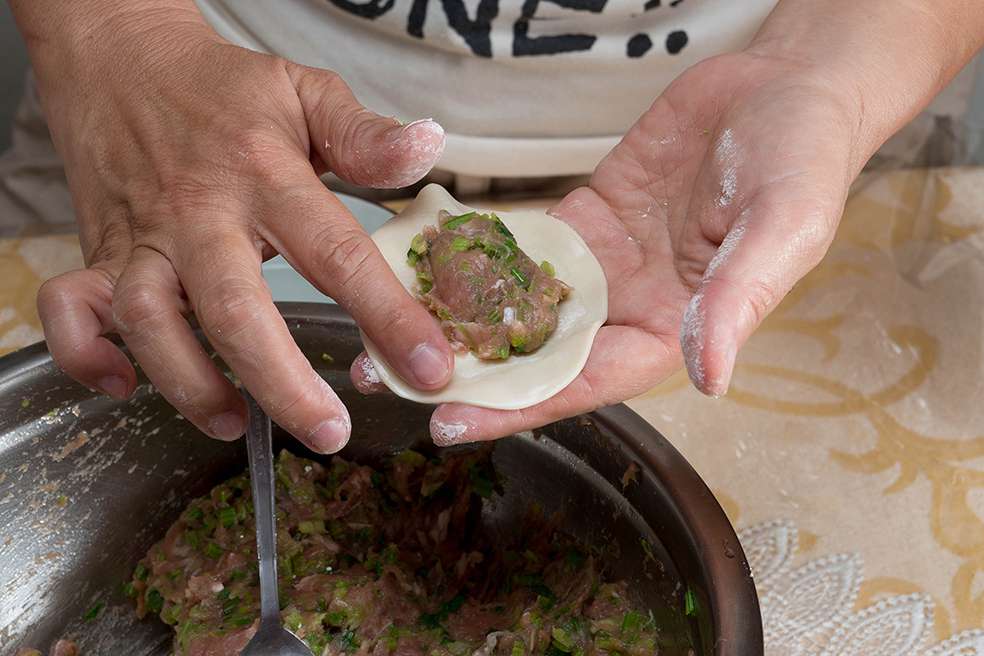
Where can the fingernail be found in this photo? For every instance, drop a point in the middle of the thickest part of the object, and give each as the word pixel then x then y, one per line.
pixel 425 125
pixel 718 386
pixel 227 426
pixel 115 386
pixel 428 365
pixel 330 435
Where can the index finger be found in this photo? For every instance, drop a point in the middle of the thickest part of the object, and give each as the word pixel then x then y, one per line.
pixel 235 309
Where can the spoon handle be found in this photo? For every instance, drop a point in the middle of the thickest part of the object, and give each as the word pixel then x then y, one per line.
pixel 260 450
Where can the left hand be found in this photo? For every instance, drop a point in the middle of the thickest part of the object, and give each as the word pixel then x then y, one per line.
pixel 724 194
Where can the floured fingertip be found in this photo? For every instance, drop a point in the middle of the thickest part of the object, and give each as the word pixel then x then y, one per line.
pixel 364 375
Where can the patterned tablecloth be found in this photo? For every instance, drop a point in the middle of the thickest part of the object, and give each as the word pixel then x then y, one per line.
pixel 850 450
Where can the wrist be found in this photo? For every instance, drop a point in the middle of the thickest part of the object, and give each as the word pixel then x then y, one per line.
pixel 884 60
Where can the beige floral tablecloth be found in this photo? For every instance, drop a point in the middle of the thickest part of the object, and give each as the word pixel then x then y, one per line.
pixel 850 450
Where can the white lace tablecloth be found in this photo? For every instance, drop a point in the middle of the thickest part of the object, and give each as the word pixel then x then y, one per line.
pixel 850 451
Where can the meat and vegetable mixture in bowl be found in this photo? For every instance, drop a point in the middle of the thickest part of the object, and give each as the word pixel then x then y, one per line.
pixel 391 560
pixel 592 536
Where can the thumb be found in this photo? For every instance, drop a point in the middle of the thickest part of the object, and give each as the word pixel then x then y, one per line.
pixel 756 265
pixel 358 145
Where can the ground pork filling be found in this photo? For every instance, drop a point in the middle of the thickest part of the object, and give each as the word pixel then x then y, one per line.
pixel 387 561
pixel 491 298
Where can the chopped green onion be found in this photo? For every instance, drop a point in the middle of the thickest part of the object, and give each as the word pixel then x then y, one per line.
pixel 690 603
pixel 425 283
pixel 520 277
pixel 412 258
pixel 213 550
pixel 632 622
pixel 410 457
pixel 458 221
pixel 194 514
pixel 327 358
pixel 311 527
pixel 518 648
pixel 460 244
pixel 518 342
pixel 502 353
pixel 155 602
pixel 129 590
pixel 193 539
pixel 348 641
pixel 561 640
pixel 444 315
pixel 94 611
pixel 227 517
pixel 141 572
pixel 336 618
pixel 418 244
pixel 494 316
pixel 548 268
pixel 501 227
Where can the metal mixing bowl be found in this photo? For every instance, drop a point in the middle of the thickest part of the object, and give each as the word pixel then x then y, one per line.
pixel 88 483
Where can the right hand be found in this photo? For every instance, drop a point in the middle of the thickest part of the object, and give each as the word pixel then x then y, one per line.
pixel 190 161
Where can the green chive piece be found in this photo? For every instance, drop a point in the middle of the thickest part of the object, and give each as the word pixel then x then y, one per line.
pixel 502 353
pixel 227 517
pixel 213 550
pixel 327 358
pixel 312 527
pixel 520 277
pixel 561 640
pixel 155 601
pixel 141 572
pixel 94 611
pixel 501 227
pixel 460 244
pixel 458 221
pixel 494 316
pixel 418 244
pixel 548 268
pixel 412 258
pixel 690 603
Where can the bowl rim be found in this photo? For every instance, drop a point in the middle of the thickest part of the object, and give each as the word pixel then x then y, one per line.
pixel 731 593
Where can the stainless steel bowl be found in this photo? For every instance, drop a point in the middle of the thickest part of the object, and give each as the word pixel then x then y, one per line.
pixel 88 483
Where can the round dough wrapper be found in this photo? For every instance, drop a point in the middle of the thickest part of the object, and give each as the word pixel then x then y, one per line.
pixel 522 380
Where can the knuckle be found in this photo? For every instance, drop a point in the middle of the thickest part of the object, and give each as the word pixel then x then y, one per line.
pixel 55 294
pixel 229 308
pixel 760 299
pixel 282 406
pixel 137 308
pixel 345 254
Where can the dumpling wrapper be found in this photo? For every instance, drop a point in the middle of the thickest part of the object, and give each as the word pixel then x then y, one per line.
pixel 522 380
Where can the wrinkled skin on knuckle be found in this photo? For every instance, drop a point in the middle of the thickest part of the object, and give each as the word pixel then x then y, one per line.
pixel 137 309
pixel 760 298
pixel 343 253
pixel 229 307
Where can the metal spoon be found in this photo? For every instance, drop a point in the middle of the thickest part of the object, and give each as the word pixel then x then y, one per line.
pixel 271 639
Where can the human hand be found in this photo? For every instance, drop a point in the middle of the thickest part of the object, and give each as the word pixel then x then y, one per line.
pixel 723 195
pixel 190 161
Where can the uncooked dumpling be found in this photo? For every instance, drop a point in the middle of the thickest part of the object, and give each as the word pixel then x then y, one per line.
pixel 521 380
